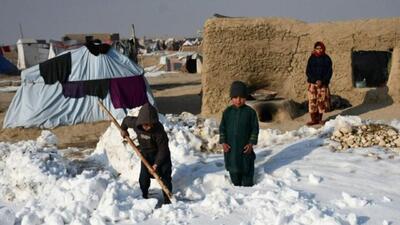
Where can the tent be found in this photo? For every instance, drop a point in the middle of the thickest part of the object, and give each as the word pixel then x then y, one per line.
pixel 65 90
pixel 6 67
pixel 190 62
pixel 31 52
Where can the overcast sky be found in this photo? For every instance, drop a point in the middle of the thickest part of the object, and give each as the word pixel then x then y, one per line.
pixel 51 19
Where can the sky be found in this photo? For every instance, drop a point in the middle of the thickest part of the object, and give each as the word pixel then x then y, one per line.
pixel 298 180
pixel 51 19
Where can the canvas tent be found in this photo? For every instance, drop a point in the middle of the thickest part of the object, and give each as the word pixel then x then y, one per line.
pixel 31 52
pixel 6 67
pixel 190 62
pixel 65 90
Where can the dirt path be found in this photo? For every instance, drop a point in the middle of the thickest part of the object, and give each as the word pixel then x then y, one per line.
pixel 174 93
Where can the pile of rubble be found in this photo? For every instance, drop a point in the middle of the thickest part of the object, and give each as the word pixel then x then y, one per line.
pixel 366 136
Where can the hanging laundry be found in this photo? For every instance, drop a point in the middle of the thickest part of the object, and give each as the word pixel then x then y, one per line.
pixel 128 92
pixel 56 69
pixel 79 89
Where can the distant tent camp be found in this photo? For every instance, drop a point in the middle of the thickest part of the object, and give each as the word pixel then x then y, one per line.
pixel 6 67
pixel 57 47
pixel 65 90
pixel 31 52
pixel 190 62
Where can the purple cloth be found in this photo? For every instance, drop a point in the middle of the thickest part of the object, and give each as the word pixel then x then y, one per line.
pixel 74 89
pixel 128 92
pixel 78 89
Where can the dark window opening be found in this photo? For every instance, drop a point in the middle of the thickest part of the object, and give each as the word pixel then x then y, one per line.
pixel 191 64
pixel 265 116
pixel 370 68
pixel 265 111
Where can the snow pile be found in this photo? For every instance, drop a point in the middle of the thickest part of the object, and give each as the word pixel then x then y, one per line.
pixel 188 137
pixel 203 133
pixel 351 201
pixel 53 192
pixel 47 138
pixel 270 137
pixel 313 179
pixel 299 180
pixel 9 89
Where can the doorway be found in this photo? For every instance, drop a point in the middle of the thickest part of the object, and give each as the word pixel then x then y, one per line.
pixel 370 68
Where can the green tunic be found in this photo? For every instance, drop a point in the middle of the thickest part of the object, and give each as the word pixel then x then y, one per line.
pixel 239 127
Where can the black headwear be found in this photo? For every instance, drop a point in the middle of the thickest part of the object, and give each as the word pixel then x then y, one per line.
pixel 147 114
pixel 238 89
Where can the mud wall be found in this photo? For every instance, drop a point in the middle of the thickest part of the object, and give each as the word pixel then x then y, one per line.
pixel 273 52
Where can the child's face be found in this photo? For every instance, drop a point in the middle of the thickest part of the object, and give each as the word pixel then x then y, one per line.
pixel 238 101
pixel 147 126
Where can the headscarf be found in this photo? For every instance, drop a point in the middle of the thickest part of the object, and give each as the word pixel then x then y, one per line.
pixel 320 53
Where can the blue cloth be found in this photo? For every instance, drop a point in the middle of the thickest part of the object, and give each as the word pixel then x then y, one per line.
pixel 6 67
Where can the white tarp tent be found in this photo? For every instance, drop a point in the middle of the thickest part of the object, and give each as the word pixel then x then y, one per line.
pixel 31 52
pixel 37 104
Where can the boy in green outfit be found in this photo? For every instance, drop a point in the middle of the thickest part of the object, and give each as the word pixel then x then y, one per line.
pixel 238 133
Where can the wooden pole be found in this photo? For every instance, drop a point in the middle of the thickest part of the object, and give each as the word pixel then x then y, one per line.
pixel 137 151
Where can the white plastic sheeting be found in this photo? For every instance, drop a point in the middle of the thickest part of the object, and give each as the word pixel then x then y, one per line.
pixel 40 105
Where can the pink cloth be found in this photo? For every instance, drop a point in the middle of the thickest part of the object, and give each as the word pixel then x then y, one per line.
pixel 128 92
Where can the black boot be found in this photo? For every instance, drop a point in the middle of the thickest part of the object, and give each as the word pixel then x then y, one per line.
pixel 320 120
pixel 145 194
pixel 166 199
pixel 314 119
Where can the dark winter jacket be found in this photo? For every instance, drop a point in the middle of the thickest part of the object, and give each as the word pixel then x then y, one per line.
pixel 319 68
pixel 153 142
pixel 239 127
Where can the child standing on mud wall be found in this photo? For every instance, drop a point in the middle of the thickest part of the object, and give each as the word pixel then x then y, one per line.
pixel 238 133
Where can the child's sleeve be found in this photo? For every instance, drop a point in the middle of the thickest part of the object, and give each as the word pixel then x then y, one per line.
pixel 222 129
pixel 254 128
pixel 128 122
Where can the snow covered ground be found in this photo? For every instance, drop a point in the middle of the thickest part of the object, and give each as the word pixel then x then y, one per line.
pixel 9 89
pixel 299 180
pixel 154 71
pixel 9 85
